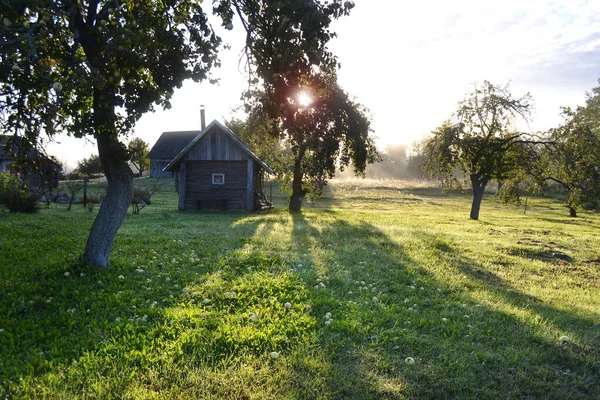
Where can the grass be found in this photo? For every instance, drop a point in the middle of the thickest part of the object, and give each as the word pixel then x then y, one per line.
pixel 193 305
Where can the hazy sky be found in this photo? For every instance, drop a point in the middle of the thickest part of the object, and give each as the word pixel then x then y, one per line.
pixel 411 62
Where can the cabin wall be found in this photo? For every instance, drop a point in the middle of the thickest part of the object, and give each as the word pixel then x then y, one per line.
pixel 215 145
pixel 201 193
pixel 157 166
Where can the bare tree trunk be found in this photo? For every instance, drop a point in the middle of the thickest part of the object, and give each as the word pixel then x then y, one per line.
pixel 572 212
pixel 478 186
pixel 114 207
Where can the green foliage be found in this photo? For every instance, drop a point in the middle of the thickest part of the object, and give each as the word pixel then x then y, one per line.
pixel 16 195
pixel 73 187
pixel 571 158
pixel 480 143
pixel 331 132
pixel 138 152
pixel 287 56
pixel 94 68
pixel 258 134
pixel 63 57
pixel 91 166
pixel 141 198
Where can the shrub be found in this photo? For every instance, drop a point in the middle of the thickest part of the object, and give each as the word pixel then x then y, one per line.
pixel 92 201
pixel 141 198
pixel 15 194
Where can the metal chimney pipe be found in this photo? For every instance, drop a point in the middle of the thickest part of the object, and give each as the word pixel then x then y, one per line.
pixel 202 118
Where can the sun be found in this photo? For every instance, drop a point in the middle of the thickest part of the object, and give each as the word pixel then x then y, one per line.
pixel 304 100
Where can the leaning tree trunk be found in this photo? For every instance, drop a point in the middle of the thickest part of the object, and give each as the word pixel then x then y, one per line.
pixel 114 206
pixel 478 186
pixel 298 192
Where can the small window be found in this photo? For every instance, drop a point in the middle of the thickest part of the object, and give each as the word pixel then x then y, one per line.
pixel 218 179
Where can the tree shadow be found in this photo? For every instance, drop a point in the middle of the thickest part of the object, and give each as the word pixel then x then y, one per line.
pixel 387 306
pixel 580 221
pixel 58 313
pixel 447 253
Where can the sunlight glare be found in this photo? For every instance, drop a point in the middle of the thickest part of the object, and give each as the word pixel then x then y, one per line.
pixel 304 100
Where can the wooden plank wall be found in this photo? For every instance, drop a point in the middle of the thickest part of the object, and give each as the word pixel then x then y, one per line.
pixel 182 186
pixel 216 145
pixel 199 183
pixel 156 169
pixel 250 186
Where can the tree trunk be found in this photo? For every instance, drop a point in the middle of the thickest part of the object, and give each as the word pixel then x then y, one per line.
pixel 114 206
pixel 298 192
pixel 478 189
pixel 570 203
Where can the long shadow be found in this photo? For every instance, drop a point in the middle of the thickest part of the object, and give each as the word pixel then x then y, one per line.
pixel 57 312
pixel 412 314
pixel 447 253
pixel 385 305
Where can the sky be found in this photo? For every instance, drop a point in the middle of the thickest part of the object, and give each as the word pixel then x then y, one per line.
pixel 410 63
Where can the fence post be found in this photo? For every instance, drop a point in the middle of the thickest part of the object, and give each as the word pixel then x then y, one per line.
pixel 85 182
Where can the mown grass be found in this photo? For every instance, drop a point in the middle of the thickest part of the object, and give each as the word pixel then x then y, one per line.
pixel 193 305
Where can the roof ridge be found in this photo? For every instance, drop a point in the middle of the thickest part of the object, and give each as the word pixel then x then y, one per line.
pixel 227 131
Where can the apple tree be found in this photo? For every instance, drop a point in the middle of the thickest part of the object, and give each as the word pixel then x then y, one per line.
pixel 571 158
pixel 479 142
pixel 91 166
pixel 94 67
pixel 294 86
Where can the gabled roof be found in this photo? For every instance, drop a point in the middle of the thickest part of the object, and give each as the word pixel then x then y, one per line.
pixel 229 133
pixel 169 144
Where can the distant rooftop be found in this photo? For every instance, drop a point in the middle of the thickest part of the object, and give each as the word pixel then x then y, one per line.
pixel 170 144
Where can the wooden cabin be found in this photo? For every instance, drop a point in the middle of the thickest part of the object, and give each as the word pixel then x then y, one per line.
pixel 166 148
pixel 216 171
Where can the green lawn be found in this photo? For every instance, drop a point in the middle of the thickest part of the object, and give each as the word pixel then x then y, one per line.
pixel 325 304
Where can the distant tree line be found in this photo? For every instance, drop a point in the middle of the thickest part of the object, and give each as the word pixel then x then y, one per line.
pixel 397 161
